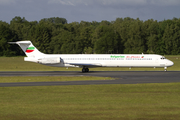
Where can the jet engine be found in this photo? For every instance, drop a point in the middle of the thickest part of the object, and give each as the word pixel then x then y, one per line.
pixel 49 60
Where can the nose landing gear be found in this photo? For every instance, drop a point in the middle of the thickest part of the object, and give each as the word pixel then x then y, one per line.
pixel 85 70
pixel 165 69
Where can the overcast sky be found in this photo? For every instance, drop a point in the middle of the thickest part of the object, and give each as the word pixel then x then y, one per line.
pixel 89 10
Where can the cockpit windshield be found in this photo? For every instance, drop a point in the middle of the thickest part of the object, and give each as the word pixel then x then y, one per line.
pixel 162 58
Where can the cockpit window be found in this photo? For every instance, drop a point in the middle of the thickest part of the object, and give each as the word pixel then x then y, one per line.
pixel 162 58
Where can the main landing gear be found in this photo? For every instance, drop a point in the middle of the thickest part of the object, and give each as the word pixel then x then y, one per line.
pixel 85 70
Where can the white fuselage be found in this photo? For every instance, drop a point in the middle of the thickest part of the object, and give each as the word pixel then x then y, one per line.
pixel 86 61
pixel 103 60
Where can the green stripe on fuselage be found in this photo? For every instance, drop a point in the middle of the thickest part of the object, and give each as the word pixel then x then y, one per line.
pixel 31 48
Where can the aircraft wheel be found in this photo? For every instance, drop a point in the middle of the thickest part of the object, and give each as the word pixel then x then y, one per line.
pixel 83 70
pixel 87 70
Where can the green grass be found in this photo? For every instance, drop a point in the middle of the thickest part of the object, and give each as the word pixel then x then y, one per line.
pixel 91 102
pixel 50 78
pixel 18 64
pixel 87 102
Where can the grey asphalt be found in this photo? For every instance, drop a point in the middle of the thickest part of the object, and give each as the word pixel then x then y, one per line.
pixel 122 77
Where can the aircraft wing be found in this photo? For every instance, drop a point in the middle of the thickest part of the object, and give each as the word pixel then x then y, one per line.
pixel 85 64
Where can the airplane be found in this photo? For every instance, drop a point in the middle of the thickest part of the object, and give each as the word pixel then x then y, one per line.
pixel 86 61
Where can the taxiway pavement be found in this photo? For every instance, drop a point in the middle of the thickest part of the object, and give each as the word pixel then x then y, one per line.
pixel 122 77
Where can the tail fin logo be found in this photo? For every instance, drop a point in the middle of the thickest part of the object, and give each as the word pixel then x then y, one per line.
pixel 30 49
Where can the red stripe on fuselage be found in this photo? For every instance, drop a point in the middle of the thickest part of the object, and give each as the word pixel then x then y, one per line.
pixel 29 51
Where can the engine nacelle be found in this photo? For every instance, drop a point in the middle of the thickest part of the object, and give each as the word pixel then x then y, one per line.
pixel 49 60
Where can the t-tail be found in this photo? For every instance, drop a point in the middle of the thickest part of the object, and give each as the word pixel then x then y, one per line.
pixel 34 55
pixel 29 49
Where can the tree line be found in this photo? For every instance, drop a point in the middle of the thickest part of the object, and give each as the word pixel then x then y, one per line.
pixel 122 36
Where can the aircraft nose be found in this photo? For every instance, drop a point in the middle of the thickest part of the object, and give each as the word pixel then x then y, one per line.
pixel 170 63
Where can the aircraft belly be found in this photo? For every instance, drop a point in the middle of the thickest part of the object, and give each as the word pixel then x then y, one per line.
pixel 109 64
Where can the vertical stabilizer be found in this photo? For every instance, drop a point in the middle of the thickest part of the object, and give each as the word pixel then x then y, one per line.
pixel 29 49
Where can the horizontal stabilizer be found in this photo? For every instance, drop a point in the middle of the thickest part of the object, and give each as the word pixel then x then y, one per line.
pixel 20 42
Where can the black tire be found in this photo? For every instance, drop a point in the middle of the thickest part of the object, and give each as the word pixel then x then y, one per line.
pixel 83 70
pixel 87 70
